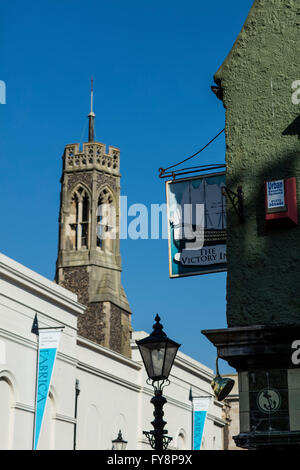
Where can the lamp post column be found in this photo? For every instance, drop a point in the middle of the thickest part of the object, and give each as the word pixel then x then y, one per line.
pixel 158 423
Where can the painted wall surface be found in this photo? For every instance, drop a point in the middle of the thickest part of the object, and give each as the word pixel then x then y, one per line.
pixel 113 390
pixel 261 85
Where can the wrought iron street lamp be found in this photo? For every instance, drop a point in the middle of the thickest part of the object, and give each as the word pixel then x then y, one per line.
pixel 119 443
pixel 158 353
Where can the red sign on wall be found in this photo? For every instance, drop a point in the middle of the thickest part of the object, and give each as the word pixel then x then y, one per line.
pixel 281 202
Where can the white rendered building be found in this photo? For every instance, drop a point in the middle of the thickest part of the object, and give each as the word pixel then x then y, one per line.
pixel 113 394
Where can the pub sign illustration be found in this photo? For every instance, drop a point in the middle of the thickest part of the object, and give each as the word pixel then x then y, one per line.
pixel 196 225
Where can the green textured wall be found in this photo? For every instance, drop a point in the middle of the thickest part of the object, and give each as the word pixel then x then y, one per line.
pixel 262 140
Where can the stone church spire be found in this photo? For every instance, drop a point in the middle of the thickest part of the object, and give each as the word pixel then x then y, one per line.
pixel 89 261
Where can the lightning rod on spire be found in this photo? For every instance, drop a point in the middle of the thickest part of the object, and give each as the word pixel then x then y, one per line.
pixel 91 115
pixel 92 92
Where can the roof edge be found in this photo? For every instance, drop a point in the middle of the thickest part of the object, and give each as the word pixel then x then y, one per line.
pixel 219 73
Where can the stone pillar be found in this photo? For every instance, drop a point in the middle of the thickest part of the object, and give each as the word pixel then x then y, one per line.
pixel 269 384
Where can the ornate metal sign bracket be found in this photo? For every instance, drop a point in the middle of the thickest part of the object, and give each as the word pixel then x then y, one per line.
pixel 237 201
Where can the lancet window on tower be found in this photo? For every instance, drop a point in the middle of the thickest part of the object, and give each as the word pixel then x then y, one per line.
pixel 106 220
pixel 80 219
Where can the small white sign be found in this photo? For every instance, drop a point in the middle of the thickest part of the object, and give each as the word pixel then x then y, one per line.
pixel 201 403
pixel 275 194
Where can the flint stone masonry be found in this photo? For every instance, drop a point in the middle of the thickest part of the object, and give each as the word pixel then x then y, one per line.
pixel 92 324
pixel 74 179
pixel 262 144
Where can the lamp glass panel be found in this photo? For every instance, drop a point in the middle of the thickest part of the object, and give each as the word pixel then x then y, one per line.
pixel 171 351
pixel 158 355
pixel 153 356
pixel 146 356
pixel 119 445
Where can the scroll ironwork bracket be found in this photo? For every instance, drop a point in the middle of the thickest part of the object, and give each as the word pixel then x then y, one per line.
pixel 237 201
pixel 151 439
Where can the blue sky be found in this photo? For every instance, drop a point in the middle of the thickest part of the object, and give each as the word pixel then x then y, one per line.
pixel 153 65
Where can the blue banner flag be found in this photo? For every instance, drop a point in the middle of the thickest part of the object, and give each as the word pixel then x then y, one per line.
pixel 200 408
pixel 48 344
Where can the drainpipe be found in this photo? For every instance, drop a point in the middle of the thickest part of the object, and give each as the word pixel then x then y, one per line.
pixel 77 391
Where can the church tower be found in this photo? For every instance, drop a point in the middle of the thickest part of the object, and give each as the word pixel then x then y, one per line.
pixel 89 261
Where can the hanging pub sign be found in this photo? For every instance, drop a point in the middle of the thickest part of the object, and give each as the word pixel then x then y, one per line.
pixel 196 225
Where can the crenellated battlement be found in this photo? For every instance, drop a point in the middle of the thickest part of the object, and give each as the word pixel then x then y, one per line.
pixel 92 156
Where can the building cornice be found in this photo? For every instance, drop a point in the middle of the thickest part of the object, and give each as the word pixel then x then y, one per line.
pixel 107 376
pixel 86 343
pixel 39 285
pixel 188 364
pixel 30 409
pixel 32 344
